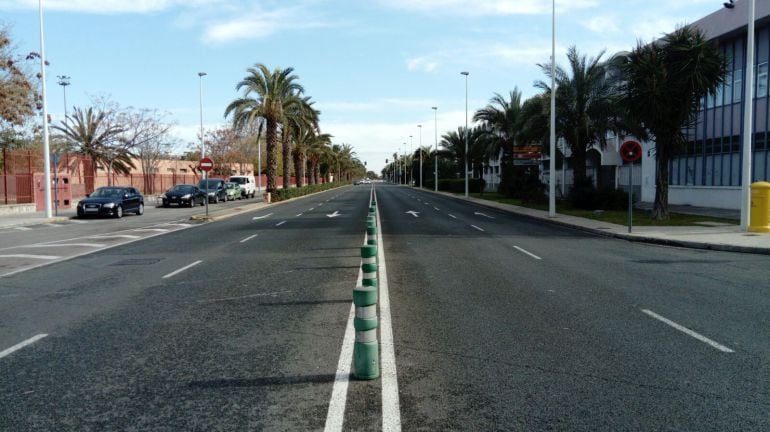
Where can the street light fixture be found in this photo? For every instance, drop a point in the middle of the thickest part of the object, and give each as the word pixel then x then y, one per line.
pixel 435 137
pixel 552 147
pixel 46 144
pixel 466 132
pixel 420 150
pixel 748 118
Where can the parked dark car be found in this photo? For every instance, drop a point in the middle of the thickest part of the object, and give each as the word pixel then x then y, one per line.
pixel 184 195
pixel 112 201
pixel 214 188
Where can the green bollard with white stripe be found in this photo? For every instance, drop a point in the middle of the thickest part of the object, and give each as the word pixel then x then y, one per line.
pixel 366 354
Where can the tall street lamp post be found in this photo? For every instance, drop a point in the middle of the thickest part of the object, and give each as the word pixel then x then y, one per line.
pixel 46 144
pixel 411 160
pixel 466 132
pixel 420 150
pixel 552 147
pixel 203 144
pixel 64 81
pixel 435 137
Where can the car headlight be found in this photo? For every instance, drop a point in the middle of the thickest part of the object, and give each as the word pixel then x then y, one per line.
pixel 188 196
pixel 109 205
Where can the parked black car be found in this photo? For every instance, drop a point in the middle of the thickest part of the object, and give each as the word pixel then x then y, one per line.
pixel 214 188
pixel 112 201
pixel 184 194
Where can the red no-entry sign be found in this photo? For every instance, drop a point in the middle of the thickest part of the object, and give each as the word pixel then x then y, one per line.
pixel 206 164
pixel 630 151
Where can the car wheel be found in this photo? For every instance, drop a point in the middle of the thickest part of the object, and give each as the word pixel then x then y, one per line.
pixel 81 215
pixel 140 210
pixel 165 204
pixel 216 199
pixel 119 212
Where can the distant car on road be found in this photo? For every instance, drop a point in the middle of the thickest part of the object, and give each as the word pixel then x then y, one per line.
pixel 184 195
pixel 247 183
pixel 214 189
pixel 232 191
pixel 111 201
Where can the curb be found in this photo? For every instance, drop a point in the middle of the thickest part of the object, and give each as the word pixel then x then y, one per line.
pixel 631 238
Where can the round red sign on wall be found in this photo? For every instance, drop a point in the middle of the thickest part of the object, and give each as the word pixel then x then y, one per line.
pixel 630 151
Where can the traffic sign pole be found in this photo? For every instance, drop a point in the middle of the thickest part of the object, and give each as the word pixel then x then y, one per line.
pixel 206 164
pixel 630 196
pixel 630 152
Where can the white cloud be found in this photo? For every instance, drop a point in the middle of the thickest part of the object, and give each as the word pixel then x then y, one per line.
pixel 104 6
pixel 602 24
pixel 488 7
pixel 421 64
pixel 258 23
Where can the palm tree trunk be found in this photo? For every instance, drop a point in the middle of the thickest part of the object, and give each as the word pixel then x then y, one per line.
pixel 660 207
pixel 286 158
pixel 298 169
pixel 272 154
pixel 579 164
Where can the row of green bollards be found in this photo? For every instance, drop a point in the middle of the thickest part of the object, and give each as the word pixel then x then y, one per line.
pixel 366 352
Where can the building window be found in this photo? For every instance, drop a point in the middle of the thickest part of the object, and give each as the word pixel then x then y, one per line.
pixel 737 85
pixel 761 80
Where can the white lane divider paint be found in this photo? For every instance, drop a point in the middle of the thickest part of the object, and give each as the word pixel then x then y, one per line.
pixel 436 208
pixel 335 417
pixel 452 216
pixel 474 226
pixel 298 215
pixel 527 252
pixel 125 236
pixel 248 238
pixel 261 217
pixel 483 214
pixel 687 331
pixel 94 245
pixel 391 411
pixel 21 345
pixel 22 228
pixel 152 229
pixel 280 223
pixel 312 208
pixel 42 257
pixel 176 272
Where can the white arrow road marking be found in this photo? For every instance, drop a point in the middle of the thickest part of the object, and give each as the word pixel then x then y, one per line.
pixel 333 215
pixel 261 217
pixel 687 331
pixel 413 213
pixel 21 345
pixel 528 253
pixel 42 257
pixel 482 214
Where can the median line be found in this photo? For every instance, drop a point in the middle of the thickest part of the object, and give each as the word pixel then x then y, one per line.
pixel 527 252
pixel 20 345
pixel 687 331
pixel 248 238
pixel 176 272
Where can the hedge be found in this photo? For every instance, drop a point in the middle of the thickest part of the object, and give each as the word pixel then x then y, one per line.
pixel 289 193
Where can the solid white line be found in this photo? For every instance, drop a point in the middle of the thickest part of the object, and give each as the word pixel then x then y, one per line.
pixel 280 223
pixel 176 272
pixel 42 257
pixel 96 245
pixel 526 252
pixel 21 345
pixel 452 216
pixel 248 238
pixel 474 226
pixel 53 225
pixel 164 230
pixel 335 417
pixel 391 411
pixel 271 294
pixel 22 228
pixel 687 331
pixel 126 236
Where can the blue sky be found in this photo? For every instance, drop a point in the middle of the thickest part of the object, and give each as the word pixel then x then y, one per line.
pixel 374 67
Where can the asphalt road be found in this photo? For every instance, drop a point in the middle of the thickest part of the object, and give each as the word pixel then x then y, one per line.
pixel 499 323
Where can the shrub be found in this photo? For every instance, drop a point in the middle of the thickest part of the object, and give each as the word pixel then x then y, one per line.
pixel 458 185
pixel 289 193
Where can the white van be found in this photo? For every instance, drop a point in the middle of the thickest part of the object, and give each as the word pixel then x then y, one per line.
pixel 248 185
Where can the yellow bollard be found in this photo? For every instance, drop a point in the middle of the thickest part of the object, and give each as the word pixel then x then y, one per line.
pixel 760 207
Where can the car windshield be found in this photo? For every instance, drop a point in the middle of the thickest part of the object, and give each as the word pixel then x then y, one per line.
pixel 239 180
pixel 182 188
pixel 108 193
pixel 230 185
pixel 212 184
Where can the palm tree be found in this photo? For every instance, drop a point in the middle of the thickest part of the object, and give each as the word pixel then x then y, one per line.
pixel 299 114
pixel 585 106
pixel 94 135
pixel 274 93
pixel 317 151
pixel 453 143
pixel 663 84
